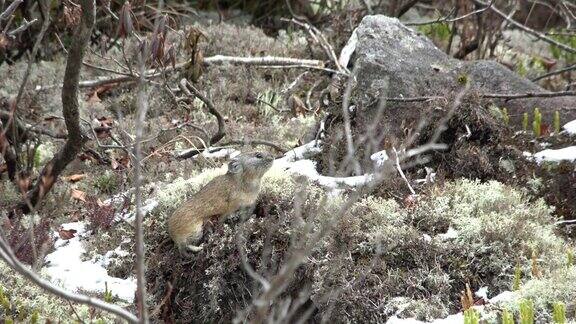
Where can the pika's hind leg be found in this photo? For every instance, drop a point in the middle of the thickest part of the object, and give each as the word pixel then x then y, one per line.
pixel 189 245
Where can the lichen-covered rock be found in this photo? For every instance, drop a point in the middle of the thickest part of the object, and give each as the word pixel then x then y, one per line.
pixel 395 61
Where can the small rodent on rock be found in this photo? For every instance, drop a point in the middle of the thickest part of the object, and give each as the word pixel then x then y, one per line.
pixel 222 196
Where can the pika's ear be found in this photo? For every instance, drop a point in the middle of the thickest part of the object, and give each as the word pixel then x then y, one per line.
pixel 234 166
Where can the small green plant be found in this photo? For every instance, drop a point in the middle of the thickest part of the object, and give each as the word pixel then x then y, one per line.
pixel 525 122
pixel 440 31
pixel 463 79
pixel 569 258
pixel 35 316
pixel 108 297
pixel 268 102
pixel 517 278
pixel 559 313
pixel 537 123
pixel 526 312
pixel 556 122
pixel 5 302
pixel 507 317
pixel 106 183
pixel 471 316
pixel 505 116
pixel 567 39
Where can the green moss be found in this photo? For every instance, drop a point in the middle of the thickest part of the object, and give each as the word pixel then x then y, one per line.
pixel 559 313
pixel 439 31
pixel 107 183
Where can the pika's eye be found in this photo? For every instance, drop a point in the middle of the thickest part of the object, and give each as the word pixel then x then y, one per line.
pixel 259 155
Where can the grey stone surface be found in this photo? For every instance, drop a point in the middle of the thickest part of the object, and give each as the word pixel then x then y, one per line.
pixel 394 61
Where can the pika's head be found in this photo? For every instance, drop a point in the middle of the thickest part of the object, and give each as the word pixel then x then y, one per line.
pixel 252 165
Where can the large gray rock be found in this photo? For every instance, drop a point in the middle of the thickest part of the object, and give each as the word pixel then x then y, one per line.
pixel 393 60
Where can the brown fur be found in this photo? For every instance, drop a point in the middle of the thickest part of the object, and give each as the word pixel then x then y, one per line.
pixel 222 196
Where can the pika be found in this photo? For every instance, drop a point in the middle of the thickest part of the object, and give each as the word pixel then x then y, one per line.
pixel 222 196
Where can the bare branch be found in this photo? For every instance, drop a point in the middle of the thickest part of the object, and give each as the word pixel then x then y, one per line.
pixel 549 74
pixel 513 96
pixel 11 8
pixel 528 30
pixel 25 25
pixel 70 105
pixel 186 87
pixel 412 99
pixel 264 60
pixel 447 18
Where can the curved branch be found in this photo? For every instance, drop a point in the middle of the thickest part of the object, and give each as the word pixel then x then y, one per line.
pixel 70 105
pixel 187 87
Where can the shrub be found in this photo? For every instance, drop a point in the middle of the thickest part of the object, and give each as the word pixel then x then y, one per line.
pixel 466 231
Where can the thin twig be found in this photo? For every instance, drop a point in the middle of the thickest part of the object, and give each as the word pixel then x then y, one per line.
pixel 513 96
pixel 529 30
pixel 268 61
pixel 413 99
pixel 549 74
pixel 25 25
pixel 447 18
pixel 399 168
pixel 186 87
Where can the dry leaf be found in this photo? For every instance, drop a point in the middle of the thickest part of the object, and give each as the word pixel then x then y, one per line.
pixel 100 203
pixel 94 98
pixel 66 234
pixel 78 194
pixel 75 177
pixel 114 164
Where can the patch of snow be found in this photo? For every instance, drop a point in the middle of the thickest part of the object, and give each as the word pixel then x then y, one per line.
pixel 307 168
pixel 66 267
pixel 450 234
pixel 302 152
pixel 130 216
pixel 570 127
pixel 482 293
pixel 563 154
pixel 379 158
pixel 504 297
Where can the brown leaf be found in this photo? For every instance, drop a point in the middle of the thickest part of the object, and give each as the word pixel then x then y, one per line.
pixel 75 177
pixel 78 194
pixel 297 105
pixel 94 98
pixel 114 164
pixel 66 234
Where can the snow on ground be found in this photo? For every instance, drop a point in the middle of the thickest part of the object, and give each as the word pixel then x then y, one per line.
pixel 504 297
pixel 294 162
pixel 563 154
pixel 570 127
pixel 66 267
